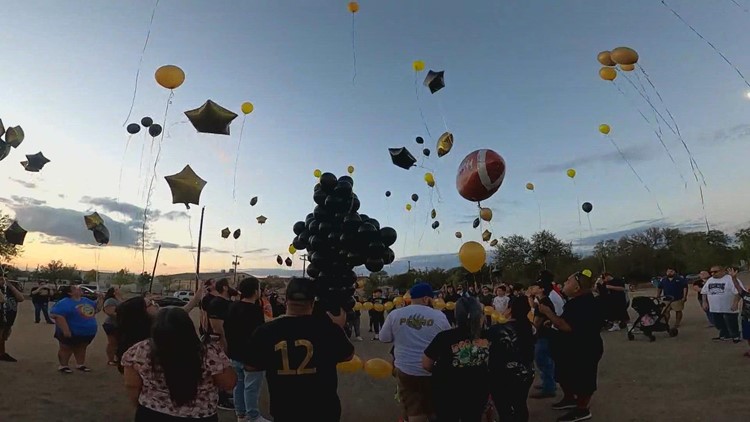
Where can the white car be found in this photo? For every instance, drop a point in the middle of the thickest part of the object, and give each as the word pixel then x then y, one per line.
pixel 184 295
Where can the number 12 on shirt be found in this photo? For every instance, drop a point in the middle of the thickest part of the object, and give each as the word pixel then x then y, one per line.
pixel 283 347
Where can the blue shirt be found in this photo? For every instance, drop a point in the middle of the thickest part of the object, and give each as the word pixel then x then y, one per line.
pixel 80 315
pixel 674 288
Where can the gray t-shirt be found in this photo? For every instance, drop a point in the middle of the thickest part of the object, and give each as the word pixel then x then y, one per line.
pixel 111 302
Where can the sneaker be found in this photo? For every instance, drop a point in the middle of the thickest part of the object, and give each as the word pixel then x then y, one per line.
pixel 736 340
pixel 543 395
pixel 719 338
pixel 575 415
pixel 359 339
pixel 83 368
pixel 259 419
pixel 564 404
pixel 64 370
pixel 614 328
pixel 225 404
pixel 7 358
pixel 375 337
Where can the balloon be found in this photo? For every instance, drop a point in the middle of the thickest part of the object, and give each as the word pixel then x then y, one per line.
pixel 186 187
pixel 357 306
pixel 378 307
pixel 101 234
pixel 237 234
pixel 292 249
pixel 486 235
pixel 408 207
pixel 225 232
pixel 360 284
pixel 493 243
pixel 133 128
pixel 430 179
pixel 472 256
pixel 402 157
pixel 604 129
pixel 247 107
pixel 435 81
pixel 14 136
pixel 378 368
pixel 450 305
pixel 169 76
pixel 571 173
pixel 530 186
pixel 4 149
pixel 387 194
pixel 211 118
pixel 147 121
pixel 624 55
pixel 279 260
pixel 444 144
pixel 253 201
pixel 92 220
pixel 388 236
pixel 420 140
pixel 475 224
pixel 418 66
pixel 414 197
pixel 488 310
pixel 288 262
pixel 459 235
pixel 367 306
pixel 261 219
pixel 351 366
pixel 426 152
pixel 605 58
pixel 587 207
pixel 317 173
pixel 485 214
pixel 608 73
pixel 353 7
pixel 299 227
pixel 34 162
pixel 433 214
pixel 480 175
pixel 435 225
pixel 438 304
pixel 627 67
pixel 398 300
pixel 15 234
pixel 350 169
pixel 2 128
pixel 154 130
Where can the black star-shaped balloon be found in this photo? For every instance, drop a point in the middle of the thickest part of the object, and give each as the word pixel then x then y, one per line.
pixel 435 81
pixel 34 162
pixel 15 234
pixel 14 136
pixel 402 157
pixel 4 149
pixel 211 118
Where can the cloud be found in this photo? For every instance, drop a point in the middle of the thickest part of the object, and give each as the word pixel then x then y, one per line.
pixel 27 201
pixel 30 185
pixel 633 153
pixel 733 133
pixel 256 251
pixel 175 215
pixel 132 212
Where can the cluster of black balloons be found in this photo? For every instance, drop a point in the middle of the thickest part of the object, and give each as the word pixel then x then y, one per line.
pixel 338 238
pixel 154 129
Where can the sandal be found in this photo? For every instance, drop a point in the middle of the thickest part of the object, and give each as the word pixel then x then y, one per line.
pixel 64 370
pixel 83 368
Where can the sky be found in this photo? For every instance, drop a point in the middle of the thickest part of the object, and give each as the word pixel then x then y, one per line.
pixel 521 79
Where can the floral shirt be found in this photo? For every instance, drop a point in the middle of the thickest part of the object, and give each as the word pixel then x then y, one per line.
pixel 155 393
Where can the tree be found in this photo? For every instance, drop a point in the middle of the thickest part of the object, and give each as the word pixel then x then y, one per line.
pixel 90 276
pixel 144 280
pixel 56 270
pixel 7 250
pixel 743 238
pixel 122 277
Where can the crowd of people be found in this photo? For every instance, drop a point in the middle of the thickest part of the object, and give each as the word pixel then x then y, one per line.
pixel 450 363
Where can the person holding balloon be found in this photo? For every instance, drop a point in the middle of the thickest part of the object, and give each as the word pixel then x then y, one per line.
pixel 377 313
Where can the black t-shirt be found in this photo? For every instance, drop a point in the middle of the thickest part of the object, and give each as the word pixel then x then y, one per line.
pixel 299 355
pixel 241 321
pixel 218 308
pixel 36 297
pixel 486 300
pixel 616 294
pixel 459 360
pixel 584 314
pixel 511 348
pixel 546 330
pixel 375 301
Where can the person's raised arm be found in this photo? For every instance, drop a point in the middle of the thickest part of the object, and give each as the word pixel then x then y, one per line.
pixel 194 301
pixel 18 295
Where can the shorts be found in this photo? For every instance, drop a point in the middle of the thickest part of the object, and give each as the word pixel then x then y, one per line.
pixel 745 329
pixel 578 374
pixel 109 329
pixel 73 341
pixel 5 331
pixel 415 394
pixel 677 305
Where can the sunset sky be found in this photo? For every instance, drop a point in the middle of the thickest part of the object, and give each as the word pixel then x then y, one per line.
pixel 521 79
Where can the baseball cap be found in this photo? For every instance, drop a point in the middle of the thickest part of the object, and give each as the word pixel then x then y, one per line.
pixel 300 289
pixel 421 290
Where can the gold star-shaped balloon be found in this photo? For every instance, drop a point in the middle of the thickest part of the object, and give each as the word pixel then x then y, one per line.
pixel 92 220
pixel 186 187
pixel 211 118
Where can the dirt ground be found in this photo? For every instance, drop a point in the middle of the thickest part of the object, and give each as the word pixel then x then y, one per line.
pixel 687 378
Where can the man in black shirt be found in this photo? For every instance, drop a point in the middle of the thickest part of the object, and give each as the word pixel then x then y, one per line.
pixel 242 319
pixel 217 311
pixel 299 353
pixel 545 333
pixel 377 318
pixel 40 297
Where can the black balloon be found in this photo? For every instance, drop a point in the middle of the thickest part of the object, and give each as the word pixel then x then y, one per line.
pixel 435 224
pixel 376 249
pixel 388 235
pixel 320 197
pixel 328 182
pixel 236 233
pixel 476 223
pixel 299 227
pixel 387 194
pixel 133 128
pixel 279 260
pixel 414 197
pixel 389 256
pixel 435 81
pixel 15 234
pixel 420 140
pixel 147 121
pixel 347 179
pixel 374 264
pixel 587 207
pixel 374 222
pixel 101 234
pixel 288 262
pixel 402 157
pixel 154 130
pixel 313 271
pixel 426 152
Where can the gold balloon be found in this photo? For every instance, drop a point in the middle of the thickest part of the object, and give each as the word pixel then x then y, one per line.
pixel 485 214
pixel 488 310
pixel 417 65
pixel 444 144
pixel 357 306
pixel 378 307
pixel 627 67
pixel 624 55
pixel 530 186
pixel 92 220
pixel 493 243
pixel 571 173
pixel 604 129
pixel 317 173
pixel 486 235
pixel 247 107
pixel 430 179
pixel 350 169
pixel 398 300
pixel 459 235
pixel 608 73
pixel 292 249
pixel 361 284
pixel 605 58
pixel 450 306
pixel 351 366
pixel 472 256
pixel 495 316
pixel 353 7
pixel 186 187
pixel 367 306
pixel 408 207
pixel 169 76
pixel 438 304
pixel 388 306
pixel 378 368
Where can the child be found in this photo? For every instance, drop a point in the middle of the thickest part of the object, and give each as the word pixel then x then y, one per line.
pixel 501 300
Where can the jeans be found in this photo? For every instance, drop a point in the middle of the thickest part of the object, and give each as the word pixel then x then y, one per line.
pixel 545 365
pixel 727 324
pixel 247 391
pixel 355 324
pixel 41 308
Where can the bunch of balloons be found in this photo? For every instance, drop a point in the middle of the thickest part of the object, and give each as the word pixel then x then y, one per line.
pixel 338 238
pixel 13 138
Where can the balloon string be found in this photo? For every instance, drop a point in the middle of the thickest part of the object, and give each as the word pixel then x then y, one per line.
pixel 140 63
pixel 354 50
pixel 632 169
pixel 703 204
pixel 237 159
pixel 744 9
pixel 419 104
pixel 591 228
pixel 578 207
pixel 709 43
pixel 539 207
pixel 192 243
pixel 442 114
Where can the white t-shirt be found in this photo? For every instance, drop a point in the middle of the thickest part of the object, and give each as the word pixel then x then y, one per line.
pixel 411 329
pixel 720 293
pixel 558 301
pixel 500 303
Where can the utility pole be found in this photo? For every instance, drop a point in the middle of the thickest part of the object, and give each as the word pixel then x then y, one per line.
pixel 303 258
pixel 409 266
pixel 236 262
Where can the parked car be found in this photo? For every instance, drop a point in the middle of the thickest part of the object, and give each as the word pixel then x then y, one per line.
pixel 87 293
pixel 166 301
pixel 184 295
pixel 93 287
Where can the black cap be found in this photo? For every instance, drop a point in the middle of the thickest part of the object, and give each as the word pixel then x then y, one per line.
pixel 300 289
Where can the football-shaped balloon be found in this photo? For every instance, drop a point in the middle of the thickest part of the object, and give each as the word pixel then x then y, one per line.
pixel 480 175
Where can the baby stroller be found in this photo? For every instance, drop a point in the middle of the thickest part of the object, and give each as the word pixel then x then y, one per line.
pixel 651 317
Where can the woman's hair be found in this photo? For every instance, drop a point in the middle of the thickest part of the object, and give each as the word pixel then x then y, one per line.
pixel 519 311
pixel 469 316
pixel 178 354
pixel 133 324
pixel 110 293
